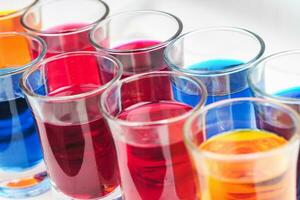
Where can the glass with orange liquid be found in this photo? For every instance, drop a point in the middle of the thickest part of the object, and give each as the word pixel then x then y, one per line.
pixel 244 161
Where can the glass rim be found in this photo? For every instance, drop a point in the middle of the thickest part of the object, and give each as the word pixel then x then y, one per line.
pixel 231 70
pixel 27 73
pixel 126 51
pixel 72 31
pixel 118 84
pixel 22 68
pixel 235 157
pixel 258 64
pixel 19 11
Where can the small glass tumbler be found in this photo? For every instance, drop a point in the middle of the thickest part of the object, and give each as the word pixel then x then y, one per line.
pixel 64 24
pixel 22 170
pixel 137 39
pixel 11 12
pixel 78 148
pixel 276 77
pixel 148 135
pixel 256 162
pixel 219 56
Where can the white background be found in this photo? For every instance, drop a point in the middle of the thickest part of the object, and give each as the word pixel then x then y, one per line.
pixel 276 21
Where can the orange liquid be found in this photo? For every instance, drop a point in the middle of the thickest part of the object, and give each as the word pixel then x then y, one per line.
pixel 261 178
pixel 14 51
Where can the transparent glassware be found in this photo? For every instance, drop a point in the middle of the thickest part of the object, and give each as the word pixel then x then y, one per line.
pixel 22 170
pixel 256 161
pixel 63 92
pixel 138 45
pixel 146 123
pixel 276 77
pixel 63 24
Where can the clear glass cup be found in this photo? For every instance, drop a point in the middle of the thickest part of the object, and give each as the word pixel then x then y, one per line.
pixel 11 12
pixel 276 78
pixel 256 161
pixel 22 170
pixel 219 56
pixel 64 24
pixel 78 148
pixel 138 45
pixel 146 123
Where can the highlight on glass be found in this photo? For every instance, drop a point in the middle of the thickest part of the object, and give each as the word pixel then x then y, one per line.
pixel 139 46
pixel 78 148
pixel 256 161
pixel 276 77
pixel 146 123
pixel 63 24
pixel 219 56
pixel 22 170
pixel 11 12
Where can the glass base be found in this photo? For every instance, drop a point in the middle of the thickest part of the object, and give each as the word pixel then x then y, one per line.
pixel 114 195
pixel 25 187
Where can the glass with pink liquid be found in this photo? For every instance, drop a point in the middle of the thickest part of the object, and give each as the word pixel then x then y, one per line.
pixel 64 24
pixel 137 39
pixel 78 148
pixel 148 134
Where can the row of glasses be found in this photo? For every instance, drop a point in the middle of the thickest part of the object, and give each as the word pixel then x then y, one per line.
pixel 145 112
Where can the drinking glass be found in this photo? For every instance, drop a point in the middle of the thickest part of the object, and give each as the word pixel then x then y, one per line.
pixel 137 39
pixel 78 148
pixel 64 24
pixel 276 78
pixel 22 171
pixel 147 130
pixel 256 161
pixel 11 12
pixel 219 56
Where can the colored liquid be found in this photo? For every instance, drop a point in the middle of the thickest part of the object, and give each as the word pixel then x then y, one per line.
pixel 247 179
pixel 80 157
pixel 141 61
pixel 291 93
pixel 155 167
pixel 19 144
pixel 229 87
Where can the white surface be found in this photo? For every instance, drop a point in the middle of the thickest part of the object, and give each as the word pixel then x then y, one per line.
pixel 276 21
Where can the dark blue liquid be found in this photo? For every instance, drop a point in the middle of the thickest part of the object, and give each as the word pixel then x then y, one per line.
pixel 19 143
pixel 237 115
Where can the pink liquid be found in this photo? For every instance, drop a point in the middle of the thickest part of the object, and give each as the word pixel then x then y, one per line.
pixel 80 157
pixel 158 169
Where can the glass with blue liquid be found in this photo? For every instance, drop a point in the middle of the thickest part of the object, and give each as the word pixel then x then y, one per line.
pixel 220 57
pixel 277 77
pixel 22 171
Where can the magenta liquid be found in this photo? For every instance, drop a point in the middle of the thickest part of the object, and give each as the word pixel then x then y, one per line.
pixel 159 169
pixel 80 157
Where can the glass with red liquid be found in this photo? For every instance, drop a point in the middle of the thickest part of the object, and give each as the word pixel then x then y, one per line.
pixel 147 130
pixel 63 24
pixel 77 144
pixel 137 39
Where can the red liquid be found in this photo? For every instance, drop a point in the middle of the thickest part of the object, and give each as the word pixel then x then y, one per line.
pixel 141 61
pixel 160 170
pixel 80 157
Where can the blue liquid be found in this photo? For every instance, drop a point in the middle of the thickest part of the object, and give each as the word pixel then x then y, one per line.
pixel 291 93
pixel 19 143
pixel 237 118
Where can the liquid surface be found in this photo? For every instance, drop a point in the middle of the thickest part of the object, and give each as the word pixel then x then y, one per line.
pixel 141 61
pixel 80 156
pixel 291 93
pixel 155 167
pixel 248 179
